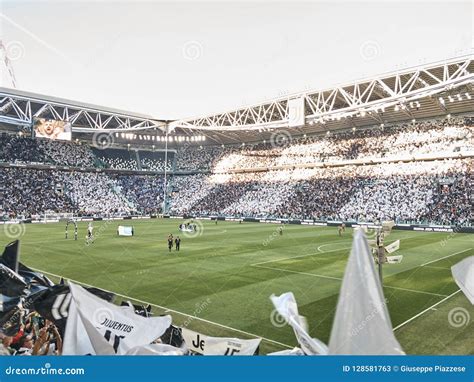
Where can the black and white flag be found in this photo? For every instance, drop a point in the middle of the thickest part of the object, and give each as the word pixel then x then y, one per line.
pixel 95 326
pixel 11 254
pixel 207 345
pixel 53 303
pixel 141 310
pixel 11 283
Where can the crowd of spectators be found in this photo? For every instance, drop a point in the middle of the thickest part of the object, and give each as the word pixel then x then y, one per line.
pixel 95 194
pixel 66 153
pixel 117 159
pixel 16 149
pixel 436 137
pixel 30 192
pixel 20 149
pixel 152 165
pixel 187 191
pixel 35 336
pixel 25 192
pixel 133 160
pixel 191 158
pixel 429 191
pixel 25 150
pixel 144 192
pixel 432 191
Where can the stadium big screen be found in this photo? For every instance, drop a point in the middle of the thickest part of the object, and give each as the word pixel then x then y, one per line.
pixel 52 129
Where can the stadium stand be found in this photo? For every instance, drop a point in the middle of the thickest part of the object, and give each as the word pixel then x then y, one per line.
pixel 432 137
pixel 16 149
pixel 144 192
pixel 353 176
pixel 154 161
pixel 118 159
pixel 23 193
pixel 67 153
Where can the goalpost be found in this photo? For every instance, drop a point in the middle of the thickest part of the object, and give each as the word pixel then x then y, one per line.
pixel 71 221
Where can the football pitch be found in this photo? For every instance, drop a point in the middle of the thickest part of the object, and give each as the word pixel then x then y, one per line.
pixel 220 281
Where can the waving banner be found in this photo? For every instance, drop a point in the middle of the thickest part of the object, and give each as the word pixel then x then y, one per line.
pixel 155 349
pixel 463 274
pixel 286 306
pixel 207 345
pixel 95 326
pixel 362 324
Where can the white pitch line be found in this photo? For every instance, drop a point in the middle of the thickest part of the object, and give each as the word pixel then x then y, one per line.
pixel 172 310
pixel 445 257
pixel 432 267
pixel 334 250
pixel 415 291
pixel 426 310
pixel 340 279
pixel 300 273
pixel 297 257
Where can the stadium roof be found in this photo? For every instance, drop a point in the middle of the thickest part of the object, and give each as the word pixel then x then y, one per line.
pixel 21 107
pixel 425 91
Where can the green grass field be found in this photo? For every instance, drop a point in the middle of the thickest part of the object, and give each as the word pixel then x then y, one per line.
pixel 225 275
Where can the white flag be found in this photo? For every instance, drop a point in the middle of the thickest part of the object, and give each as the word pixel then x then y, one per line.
pixel 95 326
pixel 286 306
pixel 207 345
pixel 155 349
pixel 463 274
pixel 362 324
pixel 294 351
pixel 394 259
pixel 395 246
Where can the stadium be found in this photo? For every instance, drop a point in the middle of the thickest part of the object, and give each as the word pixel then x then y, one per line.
pixel 195 223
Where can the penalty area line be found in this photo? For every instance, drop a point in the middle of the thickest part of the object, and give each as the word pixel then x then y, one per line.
pixel 340 279
pixel 445 257
pixel 172 311
pixel 426 310
pixel 299 256
pixel 297 272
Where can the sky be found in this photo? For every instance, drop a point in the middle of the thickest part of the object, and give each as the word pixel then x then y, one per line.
pixel 181 59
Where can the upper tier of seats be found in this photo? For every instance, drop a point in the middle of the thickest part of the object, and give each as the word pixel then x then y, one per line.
pixel 437 138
